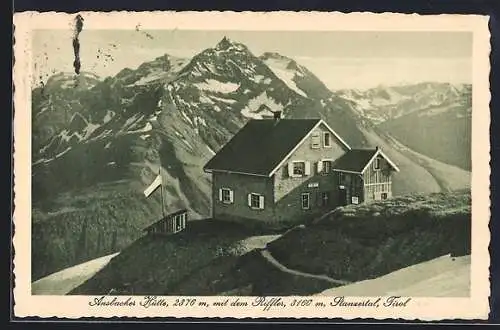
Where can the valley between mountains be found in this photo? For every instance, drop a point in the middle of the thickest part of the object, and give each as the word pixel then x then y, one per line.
pixel 96 142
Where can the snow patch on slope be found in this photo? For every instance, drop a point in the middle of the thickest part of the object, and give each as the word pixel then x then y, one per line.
pixel 213 85
pixel 109 115
pixel 199 121
pixel 205 99
pixel 278 67
pixel 64 281
pixel 230 101
pixel 66 136
pixel 130 121
pixel 255 105
pixel 153 76
pixel 147 127
pixel 90 129
pixel 186 118
pixel 445 276
pixel 210 150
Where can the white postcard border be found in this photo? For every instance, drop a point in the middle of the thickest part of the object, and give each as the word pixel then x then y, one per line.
pixel 475 307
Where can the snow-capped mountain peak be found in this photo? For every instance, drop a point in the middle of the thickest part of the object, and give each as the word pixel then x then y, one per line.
pixel 71 80
pixel 383 103
pixel 227 44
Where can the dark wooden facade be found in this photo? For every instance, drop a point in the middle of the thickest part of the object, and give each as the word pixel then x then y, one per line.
pixel 373 183
pixel 377 182
pixel 350 188
pixel 170 224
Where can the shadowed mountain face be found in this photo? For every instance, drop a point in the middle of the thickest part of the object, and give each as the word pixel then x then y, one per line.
pixel 97 143
pixel 431 118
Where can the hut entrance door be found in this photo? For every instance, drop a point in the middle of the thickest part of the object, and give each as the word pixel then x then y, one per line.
pixel 342 196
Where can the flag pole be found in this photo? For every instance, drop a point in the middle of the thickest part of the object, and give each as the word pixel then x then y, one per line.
pixel 161 191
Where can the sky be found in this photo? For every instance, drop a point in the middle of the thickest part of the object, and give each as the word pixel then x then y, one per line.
pixel 341 59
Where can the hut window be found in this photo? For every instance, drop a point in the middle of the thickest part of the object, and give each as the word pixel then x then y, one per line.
pixel 376 164
pixel 341 178
pixel 256 201
pixel 326 140
pixel 327 166
pixel 325 198
pixel 315 140
pixel 305 201
pixel 299 168
pixel 226 195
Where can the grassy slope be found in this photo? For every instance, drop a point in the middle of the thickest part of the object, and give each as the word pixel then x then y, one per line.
pixel 352 243
pixel 249 274
pixel 369 240
pixel 196 263
pixel 155 264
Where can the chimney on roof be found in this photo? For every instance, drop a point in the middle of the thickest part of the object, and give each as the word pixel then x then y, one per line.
pixel 277 115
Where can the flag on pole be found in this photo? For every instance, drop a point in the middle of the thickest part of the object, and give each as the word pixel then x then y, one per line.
pixel 153 186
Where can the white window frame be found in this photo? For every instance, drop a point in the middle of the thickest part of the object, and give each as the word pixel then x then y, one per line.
pixel 329 139
pixel 221 195
pixel 315 135
pixel 321 168
pixel 376 163
pixel 291 167
pixel 261 201
pixel 179 222
pixel 308 201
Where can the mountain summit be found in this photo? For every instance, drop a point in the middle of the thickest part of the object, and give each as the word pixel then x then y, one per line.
pixel 226 44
